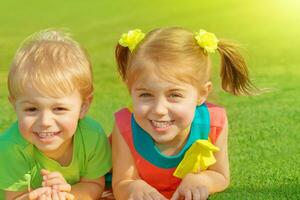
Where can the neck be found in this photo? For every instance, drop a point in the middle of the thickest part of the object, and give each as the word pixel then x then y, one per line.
pixel 63 155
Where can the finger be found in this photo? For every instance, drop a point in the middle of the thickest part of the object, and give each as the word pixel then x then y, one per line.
pixel 204 193
pixel 48 194
pixel 54 181
pixel 63 187
pixel 44 172
pixel 62 195
pixel 69 196
pixel 37 192
pixel 147 197
pixel 156 195
pixel 54 195
pixel 187 195
pixel 42 197
pixel 196 194
pixel 55 175
pixel 175 195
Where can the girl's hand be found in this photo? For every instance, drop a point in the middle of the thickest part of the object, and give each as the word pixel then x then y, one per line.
pixel 191 189
pixel 140 190
pixel 55 180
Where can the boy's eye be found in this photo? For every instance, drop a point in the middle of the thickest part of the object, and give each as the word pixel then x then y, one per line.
pixel 30 109
pixel 145 95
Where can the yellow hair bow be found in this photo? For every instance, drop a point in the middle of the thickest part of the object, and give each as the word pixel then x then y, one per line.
pixel 198 157
pixel 208 41
pixel 131 39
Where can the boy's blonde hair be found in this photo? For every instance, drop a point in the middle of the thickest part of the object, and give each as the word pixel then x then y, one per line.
pixel 53 64
pixel 174 54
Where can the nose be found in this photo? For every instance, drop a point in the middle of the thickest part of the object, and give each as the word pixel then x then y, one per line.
pixel 160 107
pixel 45 119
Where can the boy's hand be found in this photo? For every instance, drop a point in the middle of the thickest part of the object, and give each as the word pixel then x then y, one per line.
pixel 40 193
pixel 59 188
pixel 55 180
pixel 57 195
pixel 46 193
pixel 140 190
pixel 190 189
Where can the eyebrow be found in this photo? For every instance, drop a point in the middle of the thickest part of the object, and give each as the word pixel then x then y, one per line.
pixel 177 89
pixel 141 89
pixel 169 90
pixel 26 101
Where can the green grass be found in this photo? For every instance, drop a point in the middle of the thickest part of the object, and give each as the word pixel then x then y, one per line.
pixel 264 130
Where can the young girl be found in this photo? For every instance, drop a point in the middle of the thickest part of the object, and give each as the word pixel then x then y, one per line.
pixel 173 144
pixel 53 151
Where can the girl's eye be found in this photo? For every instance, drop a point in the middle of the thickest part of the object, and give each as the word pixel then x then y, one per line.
pixel 30 109
pixel 60 109
pixel 175 95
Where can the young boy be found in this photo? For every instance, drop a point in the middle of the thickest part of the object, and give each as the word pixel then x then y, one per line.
pixel 53 151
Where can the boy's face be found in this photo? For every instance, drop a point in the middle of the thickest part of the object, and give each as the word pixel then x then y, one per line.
pixel 49 123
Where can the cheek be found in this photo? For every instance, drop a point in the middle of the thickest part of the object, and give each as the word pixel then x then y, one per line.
pixel 69 124
pixel 185 113
pixel 25 127
pixel 140 109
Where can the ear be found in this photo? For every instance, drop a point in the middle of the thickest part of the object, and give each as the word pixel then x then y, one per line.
pixel 204 92
pixel 12 102
pixel 85 106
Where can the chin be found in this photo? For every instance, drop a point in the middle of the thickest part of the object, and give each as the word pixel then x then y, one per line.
pixel 163 139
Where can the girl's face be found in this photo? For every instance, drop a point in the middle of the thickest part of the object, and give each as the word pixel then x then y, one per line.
pixel 46 122
pixel 163 109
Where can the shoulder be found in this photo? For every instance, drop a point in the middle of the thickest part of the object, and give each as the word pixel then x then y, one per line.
pixel 90 132
pixel 12 137
pixel 123 112
pixel 16 156
pixel 217 114
pixel 123 118
pixel 90 124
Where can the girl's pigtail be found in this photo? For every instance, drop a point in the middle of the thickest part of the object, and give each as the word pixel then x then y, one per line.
pixel 122 55
pixel 234 72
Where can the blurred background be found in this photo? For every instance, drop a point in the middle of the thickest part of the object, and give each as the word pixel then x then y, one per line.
pixel 264 130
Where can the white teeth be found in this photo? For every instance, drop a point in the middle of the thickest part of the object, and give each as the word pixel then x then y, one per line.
pixel 161 124
pixel 46 134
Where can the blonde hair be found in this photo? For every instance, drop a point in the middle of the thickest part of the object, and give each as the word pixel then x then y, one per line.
pixel 175 55
pixel 53 64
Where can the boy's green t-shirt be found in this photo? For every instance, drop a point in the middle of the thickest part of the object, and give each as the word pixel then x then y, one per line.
pixel 21 162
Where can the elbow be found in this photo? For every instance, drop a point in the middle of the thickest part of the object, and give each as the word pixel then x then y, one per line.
pixel 226 183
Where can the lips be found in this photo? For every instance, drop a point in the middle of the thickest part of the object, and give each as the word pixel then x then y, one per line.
pixel 161 124
pixel 45 135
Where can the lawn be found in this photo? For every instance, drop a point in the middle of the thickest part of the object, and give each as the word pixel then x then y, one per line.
pixel 264 130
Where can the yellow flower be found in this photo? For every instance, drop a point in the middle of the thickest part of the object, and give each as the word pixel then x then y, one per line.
pixel 208 41
pixel 131 39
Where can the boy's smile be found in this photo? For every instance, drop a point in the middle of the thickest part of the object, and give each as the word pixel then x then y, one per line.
pixel 49 123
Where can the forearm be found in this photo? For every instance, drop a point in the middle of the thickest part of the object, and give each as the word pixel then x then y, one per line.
pixel 214 181
pixel 87 190
pixel 16 195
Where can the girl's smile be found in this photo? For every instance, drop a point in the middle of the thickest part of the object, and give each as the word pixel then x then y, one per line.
pixel 164 109
pixel 161 126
